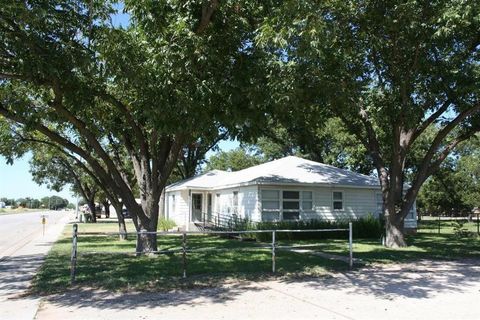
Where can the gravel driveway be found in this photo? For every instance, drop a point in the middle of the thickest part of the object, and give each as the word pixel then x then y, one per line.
pixel 421 290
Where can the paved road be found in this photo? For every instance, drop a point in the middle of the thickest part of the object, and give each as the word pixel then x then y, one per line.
pixel 20 228
pixel 23 247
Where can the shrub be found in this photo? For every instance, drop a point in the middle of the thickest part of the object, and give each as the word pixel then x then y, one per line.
pixel 166 224
pixel 459 229
pixel 365 227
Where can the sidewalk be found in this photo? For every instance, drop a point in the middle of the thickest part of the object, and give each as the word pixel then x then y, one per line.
pixel 18 269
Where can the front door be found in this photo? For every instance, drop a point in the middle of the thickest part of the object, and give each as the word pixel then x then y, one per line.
pixel 197 206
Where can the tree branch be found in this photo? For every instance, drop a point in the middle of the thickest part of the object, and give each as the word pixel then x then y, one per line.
pixel 208 8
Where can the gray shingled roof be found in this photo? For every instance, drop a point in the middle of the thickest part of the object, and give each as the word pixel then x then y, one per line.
pixel 286 170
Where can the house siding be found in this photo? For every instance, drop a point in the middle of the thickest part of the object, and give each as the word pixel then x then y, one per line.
pixel 179 212
pixel 357 203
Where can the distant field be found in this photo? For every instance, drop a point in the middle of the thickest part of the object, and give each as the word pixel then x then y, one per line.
pixel 19 210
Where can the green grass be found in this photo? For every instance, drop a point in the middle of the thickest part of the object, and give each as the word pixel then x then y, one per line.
pixel 430 225
pixel 420 246
pixel 119 271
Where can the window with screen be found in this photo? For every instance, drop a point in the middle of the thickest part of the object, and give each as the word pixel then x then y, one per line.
pixel 291 205
pixel 270 205
pixel 337 200
pixel 307 200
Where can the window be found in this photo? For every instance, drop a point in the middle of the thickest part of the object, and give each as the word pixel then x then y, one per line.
pixel 285 204
pixel 235 202
pixel 307 200
pixel 291 205
pixel 337 200
pixel 270 205
pixel 235 198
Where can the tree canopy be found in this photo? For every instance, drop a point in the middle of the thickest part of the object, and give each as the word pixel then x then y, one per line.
pixel 129 98
pixel 389 71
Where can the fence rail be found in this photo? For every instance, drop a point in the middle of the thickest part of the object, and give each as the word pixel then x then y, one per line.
pixel 184 249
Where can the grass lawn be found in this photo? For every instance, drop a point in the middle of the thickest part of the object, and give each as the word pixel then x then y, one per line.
pixel 112 268
pixel 431 224
pixel 117 270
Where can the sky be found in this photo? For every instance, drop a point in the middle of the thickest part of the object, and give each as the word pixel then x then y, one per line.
pixel 16 180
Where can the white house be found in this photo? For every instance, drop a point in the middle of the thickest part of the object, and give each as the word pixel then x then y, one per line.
pixel 290 188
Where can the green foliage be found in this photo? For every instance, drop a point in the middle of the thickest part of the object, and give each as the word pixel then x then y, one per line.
pixel 327 142
pixel 459 229
pixel 455 188
pixel 233 160
pixel 54 202
pixel 126 100
pixel 166 224
pixel 390 71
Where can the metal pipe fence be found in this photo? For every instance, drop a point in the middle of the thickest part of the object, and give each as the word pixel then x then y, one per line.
pixel 184 250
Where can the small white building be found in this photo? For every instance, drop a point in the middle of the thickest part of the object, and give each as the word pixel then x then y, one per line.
pixel 2 204
pixel 290 188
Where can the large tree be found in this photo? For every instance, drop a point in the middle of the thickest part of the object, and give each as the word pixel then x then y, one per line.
pixel 98 91
pixel 325 141
pixel 389 70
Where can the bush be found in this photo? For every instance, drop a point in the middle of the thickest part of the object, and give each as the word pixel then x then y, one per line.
pixel 460 230
pixel 365 227
pixel 166 224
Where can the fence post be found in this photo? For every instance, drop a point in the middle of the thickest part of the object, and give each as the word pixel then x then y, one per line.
pixel 184 254
pixel 73 258
pixel 478 223
pixel 273 251
pixel 439 223
pixel 350 245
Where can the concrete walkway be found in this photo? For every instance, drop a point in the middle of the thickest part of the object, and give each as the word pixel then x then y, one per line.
pixel 20 264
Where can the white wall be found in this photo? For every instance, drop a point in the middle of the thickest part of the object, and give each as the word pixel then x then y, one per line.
pixel 178 212
pixel 247 202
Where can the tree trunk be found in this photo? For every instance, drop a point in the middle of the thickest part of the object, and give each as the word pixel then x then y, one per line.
pixel 91 206
pixel 394 231
pixel 106 206
pixel 147 243
pixel 122 228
